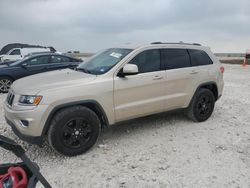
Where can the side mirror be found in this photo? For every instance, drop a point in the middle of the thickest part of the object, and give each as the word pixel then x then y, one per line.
pixel 24 65
pixel 128 69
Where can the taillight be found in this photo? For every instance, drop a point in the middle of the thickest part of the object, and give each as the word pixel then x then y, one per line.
pixel 222 69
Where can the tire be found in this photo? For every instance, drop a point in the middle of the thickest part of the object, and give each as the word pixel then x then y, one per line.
pixel 74 130
pixel 201 106
pixel 5 83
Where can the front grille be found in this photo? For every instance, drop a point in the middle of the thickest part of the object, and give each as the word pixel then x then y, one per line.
pixel 10 98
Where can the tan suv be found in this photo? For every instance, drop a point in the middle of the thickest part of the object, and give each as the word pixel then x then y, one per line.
pixel 69 107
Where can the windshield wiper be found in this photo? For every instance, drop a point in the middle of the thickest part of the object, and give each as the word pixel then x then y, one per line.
pixel 84 70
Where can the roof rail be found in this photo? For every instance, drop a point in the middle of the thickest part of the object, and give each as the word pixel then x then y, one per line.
pixel 176 43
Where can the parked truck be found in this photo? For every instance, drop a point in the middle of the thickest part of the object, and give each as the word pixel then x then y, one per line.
pixel 19 53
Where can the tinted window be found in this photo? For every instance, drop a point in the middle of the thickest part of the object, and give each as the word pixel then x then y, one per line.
pixel 15 52
pixel 176 58
pixel 199 57
pixel 38 60
pixel 147 61
pixel 59 59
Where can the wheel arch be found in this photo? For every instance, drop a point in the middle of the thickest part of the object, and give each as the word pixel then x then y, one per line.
pixel 91 104
pixel 7 76
pixel 212 86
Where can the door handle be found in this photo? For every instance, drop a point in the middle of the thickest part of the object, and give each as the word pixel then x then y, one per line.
pixel 194 72
pixel 157 77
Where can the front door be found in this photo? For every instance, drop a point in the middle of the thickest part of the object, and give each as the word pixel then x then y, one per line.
pixel 35 65
pixel 144 93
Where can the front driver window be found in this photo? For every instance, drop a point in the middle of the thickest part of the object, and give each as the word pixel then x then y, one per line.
pixel 38 60
pixel 15 52
pixel 148 61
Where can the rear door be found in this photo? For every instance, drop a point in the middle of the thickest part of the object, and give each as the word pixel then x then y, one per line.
pixel 180 77
pixel 203 64
pixel 144 93
pixel 60 62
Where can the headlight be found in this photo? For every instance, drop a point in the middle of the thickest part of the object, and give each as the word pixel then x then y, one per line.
pixel 30 99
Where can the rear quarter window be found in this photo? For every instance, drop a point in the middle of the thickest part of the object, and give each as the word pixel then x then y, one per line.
pixel 199 58
pixel 75 60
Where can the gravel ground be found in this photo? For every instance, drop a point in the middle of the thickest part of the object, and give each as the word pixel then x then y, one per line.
pixel 164 150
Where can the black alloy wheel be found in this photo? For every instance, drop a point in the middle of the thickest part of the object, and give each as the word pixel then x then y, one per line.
pixel 73 130
pixel 202 105
pixel 76 133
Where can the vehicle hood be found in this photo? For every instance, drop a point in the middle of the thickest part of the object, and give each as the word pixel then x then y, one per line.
pixel 32 85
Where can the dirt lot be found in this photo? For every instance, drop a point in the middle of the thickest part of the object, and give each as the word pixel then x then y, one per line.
pixel 165 150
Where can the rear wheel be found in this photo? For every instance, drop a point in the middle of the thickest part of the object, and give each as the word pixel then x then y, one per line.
pixel 74 130
pixel 202 105
pixel 5 83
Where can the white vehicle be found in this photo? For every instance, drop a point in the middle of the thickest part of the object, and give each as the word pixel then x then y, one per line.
pixel 19 53
pixel 68 107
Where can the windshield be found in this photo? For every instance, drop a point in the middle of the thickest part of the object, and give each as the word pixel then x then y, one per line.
pixel 104 61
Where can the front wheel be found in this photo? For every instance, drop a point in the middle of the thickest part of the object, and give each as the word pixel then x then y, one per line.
pixel 202 105
pixel 74 130
pixel 5 83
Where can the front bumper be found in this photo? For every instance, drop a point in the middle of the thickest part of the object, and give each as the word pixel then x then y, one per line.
pixel 31 139
pixel 35 119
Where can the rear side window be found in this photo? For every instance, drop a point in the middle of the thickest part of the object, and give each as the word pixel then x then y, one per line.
pixel 59 59
pixel 199 57
pixel 176 58
pixel 148 61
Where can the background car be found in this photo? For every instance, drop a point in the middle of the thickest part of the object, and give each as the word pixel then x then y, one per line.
pixel 19 53
pixel 12 71
pixel 39 53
